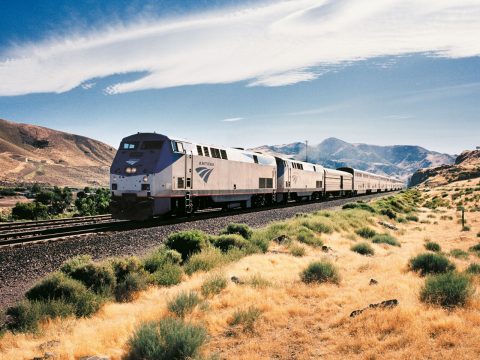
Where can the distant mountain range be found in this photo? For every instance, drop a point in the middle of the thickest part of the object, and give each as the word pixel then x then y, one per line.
pixel 397 160
pixel 30 153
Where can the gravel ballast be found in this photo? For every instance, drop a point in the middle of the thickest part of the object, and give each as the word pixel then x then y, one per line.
pixel 22 266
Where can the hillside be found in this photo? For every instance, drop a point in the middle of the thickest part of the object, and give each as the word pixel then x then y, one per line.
pixel 310 294
pixel 397 160
pixel 30 153
pixel 467 166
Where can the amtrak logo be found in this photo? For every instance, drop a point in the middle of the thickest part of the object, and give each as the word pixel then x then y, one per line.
pixel 132 162
pixel 204 172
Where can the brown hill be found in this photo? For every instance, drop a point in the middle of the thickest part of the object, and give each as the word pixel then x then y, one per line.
pixel 30 153
pixel 467 166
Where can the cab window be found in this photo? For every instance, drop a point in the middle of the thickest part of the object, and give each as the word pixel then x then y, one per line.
pixel 152 145
pixel 130 145
pixel 177 146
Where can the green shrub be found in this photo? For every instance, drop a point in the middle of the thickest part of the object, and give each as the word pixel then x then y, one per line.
pixel 317 225
pixel 473 269
pixel 183 303
pixel 227 242
pixel 385 239
pixel 363 249
pixel 240 229
pixel 260 241
pixel 168 339
pixel 158 258
pixel 28 314
pixel 257 281
pixel 319 272
pixel 466 228
pixel 432 246
pixel 213 285
pixel 168 275
pixel 245 318
pixel 359 205
pixel 129 286
pixel 307 236
pixel 366 232
pixel 475 248
pixel 58 286
pixel 412 218
pixel 429 263
pixel 448 290
pixel 187 243
pixel 401 219
pixel 389 213
pixel 206 260
pixel 124 266
pixel 99 278
pixel 297 250
pixel 30 211
pixel 459 254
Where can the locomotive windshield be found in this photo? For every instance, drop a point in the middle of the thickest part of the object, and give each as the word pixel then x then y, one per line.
pixel 152 145
pixel 131 145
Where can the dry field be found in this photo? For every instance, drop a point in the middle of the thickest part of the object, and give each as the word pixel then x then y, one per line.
pixel 306 321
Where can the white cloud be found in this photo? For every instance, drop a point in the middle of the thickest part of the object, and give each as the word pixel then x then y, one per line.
pixel 273 44
pixel 88 85
pixel 233 119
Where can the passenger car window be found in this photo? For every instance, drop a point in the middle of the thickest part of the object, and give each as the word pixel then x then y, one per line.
pixel 224 154
pixel 199 150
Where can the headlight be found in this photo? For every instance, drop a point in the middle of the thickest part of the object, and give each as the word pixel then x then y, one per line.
pixel 131 170
pixel 145 178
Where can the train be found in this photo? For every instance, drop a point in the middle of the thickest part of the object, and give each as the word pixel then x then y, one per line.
pixel 154 175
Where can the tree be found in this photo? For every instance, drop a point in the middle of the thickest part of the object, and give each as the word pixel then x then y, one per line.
pixel 93 203
pixel 30 211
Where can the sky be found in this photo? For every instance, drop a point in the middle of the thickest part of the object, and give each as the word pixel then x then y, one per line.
pixel 246 73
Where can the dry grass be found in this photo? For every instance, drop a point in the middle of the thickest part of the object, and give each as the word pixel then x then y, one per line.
pixel 300 321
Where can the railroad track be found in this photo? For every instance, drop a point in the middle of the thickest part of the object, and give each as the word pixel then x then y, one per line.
pixel 46 230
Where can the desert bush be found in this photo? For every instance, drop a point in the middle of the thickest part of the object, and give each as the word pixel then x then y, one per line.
pixel 261 239
pixel 245 318
pixel 59 286
pixel 129 286
pixel 366 232
pixel 28 314
pixel 432 246
pixel 473 269
pixel 385 239
pixel 412 218
pixel 124 266
pixel 168 339
pixel 319 272
pixel 206 260
pixel 359 205
pixel 448 290
pixel 99 278
pixel 475 248
pixel 317 225
pixel 183 303
pixel 391 214
pixel 239 229
pixel 466 228
pixel 30 211
pixel 229 241
pixel 307 236
pixel 429 263
pixel 213 285
pixel 168 275
pixel 160 257
pixel 257 281
pixel 297 250
pixel 459 254
pixel 187 243
pixel 401 219
pixel 363 249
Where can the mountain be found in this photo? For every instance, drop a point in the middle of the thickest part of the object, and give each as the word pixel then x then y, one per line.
pixel 397 160
pixel 467 166
pixel 30 153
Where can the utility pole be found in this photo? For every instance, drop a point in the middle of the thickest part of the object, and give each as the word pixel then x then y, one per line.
pixel 306 150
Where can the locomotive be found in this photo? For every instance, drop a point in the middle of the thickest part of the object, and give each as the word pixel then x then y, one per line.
pixel 153 174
